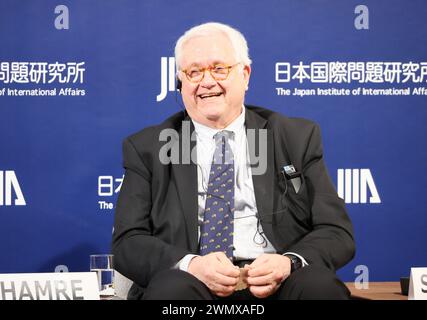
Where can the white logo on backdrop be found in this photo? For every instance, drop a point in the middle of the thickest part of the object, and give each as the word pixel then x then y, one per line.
pixel 41 72
pixel 167 76
pixel 14 74
pixel 353 186
pixel 108 186
pixel 347 72
pixel 359 74
pixel 10 190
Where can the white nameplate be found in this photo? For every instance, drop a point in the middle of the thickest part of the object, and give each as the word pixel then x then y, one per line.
pixel 418 284
pixel 49 286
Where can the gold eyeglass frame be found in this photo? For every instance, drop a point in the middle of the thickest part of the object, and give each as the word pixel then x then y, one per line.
pixel 210 68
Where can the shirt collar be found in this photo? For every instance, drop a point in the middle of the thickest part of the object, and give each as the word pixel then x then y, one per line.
pixel 207 132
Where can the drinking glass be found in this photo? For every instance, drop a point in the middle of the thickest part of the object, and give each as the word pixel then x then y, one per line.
pixel 102 264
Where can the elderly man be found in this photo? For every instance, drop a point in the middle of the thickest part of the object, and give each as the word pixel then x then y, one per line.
pixel 218 226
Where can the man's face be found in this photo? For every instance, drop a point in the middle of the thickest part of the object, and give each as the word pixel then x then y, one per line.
pixel 214 103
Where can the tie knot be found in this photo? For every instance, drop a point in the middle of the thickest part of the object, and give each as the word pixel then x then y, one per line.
pixel 223 136
pixel 223 153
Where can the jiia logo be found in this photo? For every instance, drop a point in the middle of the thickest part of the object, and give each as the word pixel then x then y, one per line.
pixel 353 186
pixel 167 76
pixel 10 190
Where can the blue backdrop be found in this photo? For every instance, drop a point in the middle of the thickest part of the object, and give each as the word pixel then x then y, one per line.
pixel 60 156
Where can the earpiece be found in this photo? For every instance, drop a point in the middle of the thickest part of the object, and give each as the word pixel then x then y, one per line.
pixel 178 84
pixel 178 88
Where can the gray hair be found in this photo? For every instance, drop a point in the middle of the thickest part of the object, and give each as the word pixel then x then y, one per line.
pixel 237 40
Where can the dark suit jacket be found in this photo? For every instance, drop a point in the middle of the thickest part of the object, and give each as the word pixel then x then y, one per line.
pixel 156 215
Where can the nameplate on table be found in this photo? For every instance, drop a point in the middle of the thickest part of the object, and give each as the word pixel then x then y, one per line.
pixel 418 284
pixel 49 286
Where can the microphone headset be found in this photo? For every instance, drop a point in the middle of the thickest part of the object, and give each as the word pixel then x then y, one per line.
pixel 178 88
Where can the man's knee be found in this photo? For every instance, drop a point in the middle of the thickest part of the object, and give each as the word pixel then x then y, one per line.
pixel 175 285
pixel 314 282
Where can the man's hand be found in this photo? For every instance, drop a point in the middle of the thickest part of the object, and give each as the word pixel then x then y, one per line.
pixel 216 271
pixel 266 274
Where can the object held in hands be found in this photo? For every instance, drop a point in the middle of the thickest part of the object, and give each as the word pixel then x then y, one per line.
pixel 242 284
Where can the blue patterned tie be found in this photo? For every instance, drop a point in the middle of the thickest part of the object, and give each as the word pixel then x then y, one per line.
pixel 217 228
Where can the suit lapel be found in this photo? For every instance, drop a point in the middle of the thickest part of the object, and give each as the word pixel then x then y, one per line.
pixel 263 183
pixel 185 177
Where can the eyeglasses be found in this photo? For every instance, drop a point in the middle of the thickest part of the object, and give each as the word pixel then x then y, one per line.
pixel 219 72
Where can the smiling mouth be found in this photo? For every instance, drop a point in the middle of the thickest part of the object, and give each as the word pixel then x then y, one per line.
pixel 209 95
